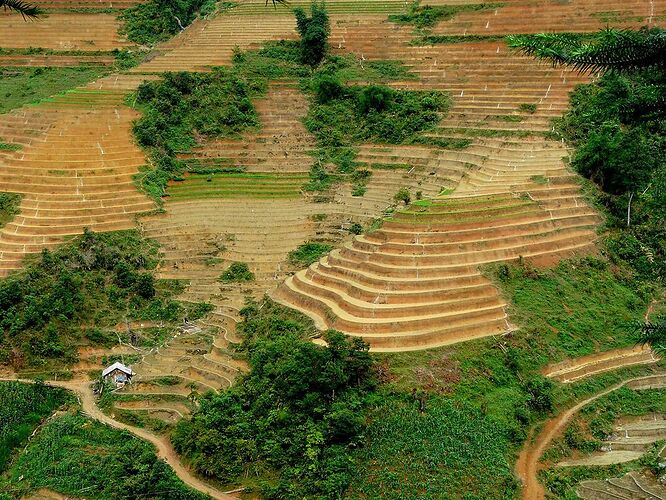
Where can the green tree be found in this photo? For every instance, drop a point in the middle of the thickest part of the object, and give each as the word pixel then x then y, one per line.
pixel 608 50
pixel 314 31
pixel 654 335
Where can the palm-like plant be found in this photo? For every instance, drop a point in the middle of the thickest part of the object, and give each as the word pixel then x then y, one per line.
pixel 608 50
pixel 28 11
pixel 654 335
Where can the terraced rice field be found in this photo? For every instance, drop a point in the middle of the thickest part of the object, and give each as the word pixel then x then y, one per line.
pixel 417 282
pixel 510 197
pixel 630 486
pixel 67 31
pixel 548 16
pixel 573 370
pixel 630 440
pixel 74 170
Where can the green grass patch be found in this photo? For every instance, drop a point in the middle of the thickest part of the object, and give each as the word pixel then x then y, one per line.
pixel 5 146
pixel 24 407
pixel 76 456
pixel 21 86
pixel 309 253
pixel 237 272
pixel 427 16
pixel 445 449
pixel 576 308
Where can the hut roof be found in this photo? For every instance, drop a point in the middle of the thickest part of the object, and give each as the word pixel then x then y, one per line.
pixel 117 366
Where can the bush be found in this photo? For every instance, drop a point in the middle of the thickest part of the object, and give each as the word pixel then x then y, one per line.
pixel 314 31
pixel 237 272
pixel 9 206
pixel 402 196
pixel 158 20
pixel 182 105
pixel 328 88
pixel 95 279
pixel 375 98
pixel 309 253
pixel 294 418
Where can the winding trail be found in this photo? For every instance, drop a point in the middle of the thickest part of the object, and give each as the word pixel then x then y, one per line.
pixel 164 449
pixel 527 466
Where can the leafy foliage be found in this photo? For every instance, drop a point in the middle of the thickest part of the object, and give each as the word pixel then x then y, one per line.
pixel 292 419
pixel 343 116
pixel 9 206
pixel 314 32
pixel 309 253
pixel 237 272
pixel 183 105
pixel 117 464
pixel 78 293
pixel 427 16
pixel 609 50
pixel 27 10
pixel 618 126
pixel 158 20
pixel 24 406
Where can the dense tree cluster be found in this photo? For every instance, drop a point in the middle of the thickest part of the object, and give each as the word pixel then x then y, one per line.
pixel 294 416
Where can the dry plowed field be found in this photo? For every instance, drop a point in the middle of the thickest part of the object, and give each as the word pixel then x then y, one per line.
pixel 89 32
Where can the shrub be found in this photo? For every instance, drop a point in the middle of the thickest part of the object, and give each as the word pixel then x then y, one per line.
pixel 95 279
pixel 402 196
pixel 540 394
pixel 237 272
pixel 375 98
pixel 308 253
pixel 9 206
pixel 355 228
pixel 328 88
pixel 314 31
pixel 158 20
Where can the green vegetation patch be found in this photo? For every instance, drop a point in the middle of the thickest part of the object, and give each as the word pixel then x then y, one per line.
pixel 618 126
pixel 585 433
pixel 427 16
pixel 309 253
pixel 9 207
pixel 20 86
pixel 74 455
pixel 237 272
pixel 287 428
pixel 443 449
pixel 576 308
pixel 348 115
pixel 182 105
pixel 76 295
pixel 24 407
pixel 158 20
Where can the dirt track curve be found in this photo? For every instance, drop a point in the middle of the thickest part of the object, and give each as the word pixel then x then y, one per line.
pixel 527 466
pixel 164 449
